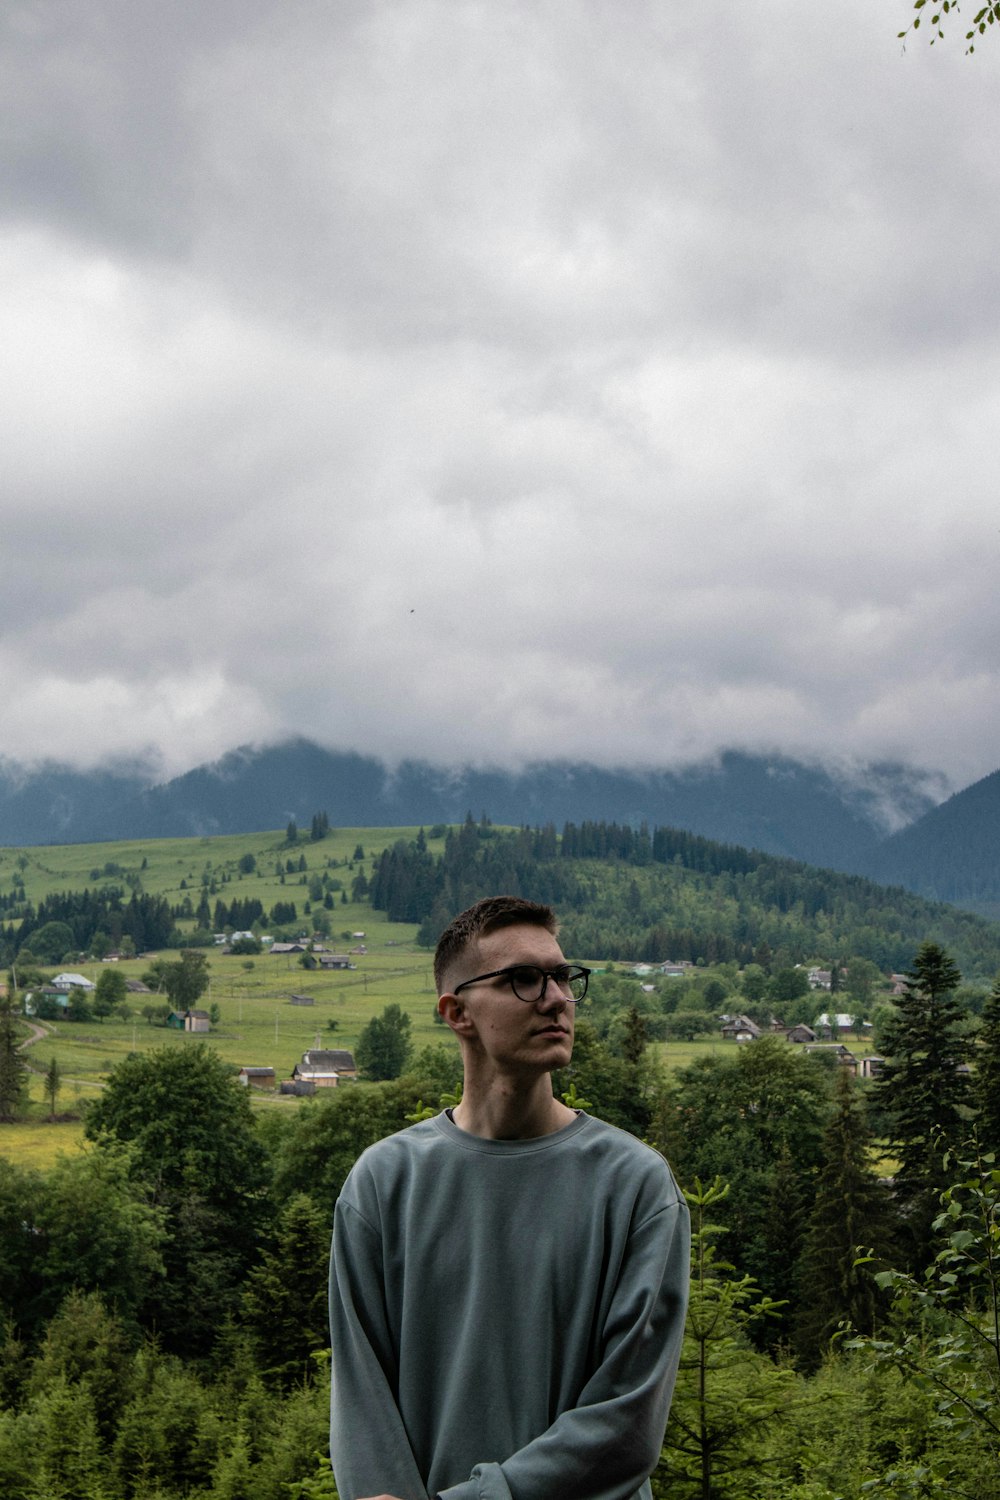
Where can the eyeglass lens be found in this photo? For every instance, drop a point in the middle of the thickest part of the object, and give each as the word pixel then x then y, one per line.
pixel 528 981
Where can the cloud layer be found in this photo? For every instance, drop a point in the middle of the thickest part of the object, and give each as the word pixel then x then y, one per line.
pixel 489 381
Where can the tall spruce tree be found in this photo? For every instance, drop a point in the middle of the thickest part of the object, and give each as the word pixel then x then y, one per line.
pixel 852 1209
pixel 284 1299
pixel 924 1091
pixel 987 1082
pixel 52 1085
pixel 13 1069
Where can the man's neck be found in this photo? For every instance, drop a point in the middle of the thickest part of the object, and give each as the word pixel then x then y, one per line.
pixel 502 1112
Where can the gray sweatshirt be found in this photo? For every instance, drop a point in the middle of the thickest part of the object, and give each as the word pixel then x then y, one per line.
pixel 506 1316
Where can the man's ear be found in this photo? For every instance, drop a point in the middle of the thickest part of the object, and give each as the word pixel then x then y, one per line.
pixel 453 1013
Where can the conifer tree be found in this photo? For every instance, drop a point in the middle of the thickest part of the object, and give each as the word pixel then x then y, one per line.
pixel 284 1301
pixel 922 1091
pixel 53 1083
pixel 726 1393
pixel 852 1211
pixel 13 1070
pixel 987 1084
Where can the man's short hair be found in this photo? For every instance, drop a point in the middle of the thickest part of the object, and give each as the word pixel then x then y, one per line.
pixel 486 916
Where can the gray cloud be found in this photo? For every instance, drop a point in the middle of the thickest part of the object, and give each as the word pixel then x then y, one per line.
pixel 496 381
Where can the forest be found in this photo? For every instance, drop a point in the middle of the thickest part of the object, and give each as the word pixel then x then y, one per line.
pixel 630 894
pixel 162 1294
pixel 163 1329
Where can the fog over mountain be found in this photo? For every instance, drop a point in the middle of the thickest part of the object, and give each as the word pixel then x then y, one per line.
pixel 952 853
pixel 831 817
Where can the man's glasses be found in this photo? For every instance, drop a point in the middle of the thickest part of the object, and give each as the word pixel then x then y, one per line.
pixel 529 982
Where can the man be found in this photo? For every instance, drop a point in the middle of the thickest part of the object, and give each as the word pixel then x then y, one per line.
pixel 508 1280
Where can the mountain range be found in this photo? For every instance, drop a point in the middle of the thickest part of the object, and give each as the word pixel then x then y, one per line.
pixel 891 822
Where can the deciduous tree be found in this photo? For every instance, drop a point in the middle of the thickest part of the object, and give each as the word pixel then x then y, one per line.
pixel 194 1145
pixel 187 980
pixel 957 1299
pixel 755 1119
pixel 384 1046
pixel 934 16
pixel 111 992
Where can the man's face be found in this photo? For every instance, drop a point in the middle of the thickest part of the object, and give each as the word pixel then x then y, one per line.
pixel 519 1036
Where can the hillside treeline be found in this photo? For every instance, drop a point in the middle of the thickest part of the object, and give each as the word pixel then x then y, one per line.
pixel 148 921
pixel 73 922
pixel 628 894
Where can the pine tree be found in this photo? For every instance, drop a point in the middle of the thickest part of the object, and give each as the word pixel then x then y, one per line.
pixel 13 1070
pixel 284 1301
pixel 922 1091
pixel 852 1210
pixel 987 1084
pixel 53 1083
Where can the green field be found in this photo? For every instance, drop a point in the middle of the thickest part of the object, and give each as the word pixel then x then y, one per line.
pixel 177 867
pixel 258 1024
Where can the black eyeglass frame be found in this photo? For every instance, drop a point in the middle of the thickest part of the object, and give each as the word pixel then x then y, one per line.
pixel 570 972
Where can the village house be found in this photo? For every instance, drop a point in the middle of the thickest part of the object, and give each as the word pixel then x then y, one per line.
pixel 189 1020
pixel 826 1024
pixel 836 1050
pixel 739 1029
pixel 325 1068
pixel 258 1078
pixel 335 961
pixel 48 993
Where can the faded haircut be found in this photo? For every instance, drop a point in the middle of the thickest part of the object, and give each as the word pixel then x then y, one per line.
pixel 486 916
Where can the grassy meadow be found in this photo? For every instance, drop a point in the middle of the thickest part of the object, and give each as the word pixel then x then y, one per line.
pixel 177 867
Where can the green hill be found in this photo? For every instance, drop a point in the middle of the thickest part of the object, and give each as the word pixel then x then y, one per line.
pixel 621 893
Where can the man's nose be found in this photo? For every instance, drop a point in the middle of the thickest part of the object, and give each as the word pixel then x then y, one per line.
pixel 551 995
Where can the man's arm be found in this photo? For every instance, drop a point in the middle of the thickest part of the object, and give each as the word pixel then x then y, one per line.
pixel 369 1448
pixel 610 1442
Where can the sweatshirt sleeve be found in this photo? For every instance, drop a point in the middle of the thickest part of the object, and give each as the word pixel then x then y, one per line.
pixel 606 1446
pixel 369 1448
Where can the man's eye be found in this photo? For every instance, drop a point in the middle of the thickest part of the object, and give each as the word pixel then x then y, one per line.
pixel 524 977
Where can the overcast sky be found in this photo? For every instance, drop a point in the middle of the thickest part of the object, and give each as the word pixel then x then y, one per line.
pixel 491 381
